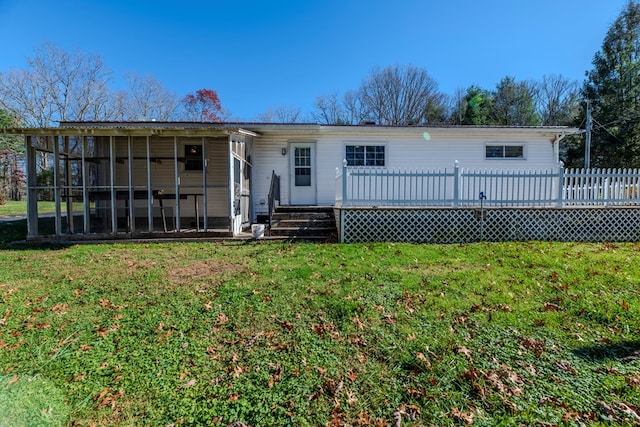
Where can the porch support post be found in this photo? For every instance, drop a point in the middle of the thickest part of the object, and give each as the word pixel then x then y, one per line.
pixel 205 199
pixel 56 184
pixel 456 184
pixel 32 192
pixel 345 199
pixel 68 192
pixel 177 181
pixel 560 184
pixel 112 182
pixel 131 199
pixel 149 190
pixel 86 206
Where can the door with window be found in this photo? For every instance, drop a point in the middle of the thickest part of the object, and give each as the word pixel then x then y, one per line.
pixel 303 174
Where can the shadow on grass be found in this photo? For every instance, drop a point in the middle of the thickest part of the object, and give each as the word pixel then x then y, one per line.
pixel 13 235
pixel 624 351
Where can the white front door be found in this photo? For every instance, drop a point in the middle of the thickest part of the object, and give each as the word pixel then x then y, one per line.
pixel 303 173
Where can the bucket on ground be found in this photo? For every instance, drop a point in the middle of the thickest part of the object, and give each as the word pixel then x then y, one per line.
pixel 257 231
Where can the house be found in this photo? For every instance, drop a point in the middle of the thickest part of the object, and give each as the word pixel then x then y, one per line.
pixel 126 179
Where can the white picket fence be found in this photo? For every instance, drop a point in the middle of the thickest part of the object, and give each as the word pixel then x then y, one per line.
pixel 459 187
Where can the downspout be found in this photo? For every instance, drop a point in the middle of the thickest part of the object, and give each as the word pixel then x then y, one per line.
pixel 560 166
pixel 556 147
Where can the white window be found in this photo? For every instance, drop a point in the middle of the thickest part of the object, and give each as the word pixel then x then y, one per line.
pixel 504 151
pixel 365 155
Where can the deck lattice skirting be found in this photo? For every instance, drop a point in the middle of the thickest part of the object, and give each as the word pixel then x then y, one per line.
pixel 463 225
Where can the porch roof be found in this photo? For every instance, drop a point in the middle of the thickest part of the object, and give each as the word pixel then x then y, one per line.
pixel 185 129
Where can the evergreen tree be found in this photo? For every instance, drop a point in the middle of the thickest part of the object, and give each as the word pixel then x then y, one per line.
pixel 476 106
pixel 613 92
pixel 514 104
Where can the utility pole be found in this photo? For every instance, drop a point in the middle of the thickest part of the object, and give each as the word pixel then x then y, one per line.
pixel 587 144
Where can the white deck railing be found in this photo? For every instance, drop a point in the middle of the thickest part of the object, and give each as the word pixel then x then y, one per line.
pixel 380 187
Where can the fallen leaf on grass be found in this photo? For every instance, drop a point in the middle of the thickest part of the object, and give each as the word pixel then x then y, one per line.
pixel 464 350
pixel 188 384
pixel 61 308
pixel 221 319
pixel 565 366
pixel 465 417
pixel 549 306
pixel 625 409
pixel 357 321
pixel 107 399
pixel 608 410
pixel 424 358
pixel 409 411
pixel 351 398
pixel 633 381
pixel 14 379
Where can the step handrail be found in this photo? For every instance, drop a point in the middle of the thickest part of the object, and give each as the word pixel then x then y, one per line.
pixel 274 194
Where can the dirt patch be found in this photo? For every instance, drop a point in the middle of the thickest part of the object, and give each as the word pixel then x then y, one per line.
pixel 213 271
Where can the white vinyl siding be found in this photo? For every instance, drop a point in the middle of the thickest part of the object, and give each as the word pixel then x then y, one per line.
pixel 402 150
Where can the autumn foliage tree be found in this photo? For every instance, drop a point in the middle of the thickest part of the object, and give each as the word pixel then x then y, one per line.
pixel 203 106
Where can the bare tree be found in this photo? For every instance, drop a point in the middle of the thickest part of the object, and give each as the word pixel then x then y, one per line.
pixel 556 98
pixel 281 114
pixel 402 95
pixel 146 99
pixel 329 109
pixel 356 111
pixel 456 104
pixel 349 110
pixel 22 91
pixel 57 85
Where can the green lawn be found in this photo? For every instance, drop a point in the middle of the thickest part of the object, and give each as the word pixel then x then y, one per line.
pixel 303 334
pixel 12 207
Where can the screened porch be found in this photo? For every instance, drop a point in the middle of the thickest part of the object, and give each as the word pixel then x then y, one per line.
pixel 138 181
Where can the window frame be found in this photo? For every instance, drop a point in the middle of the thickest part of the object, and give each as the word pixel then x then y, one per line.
pixel 504 147
pixel 196 160
pixel 371 152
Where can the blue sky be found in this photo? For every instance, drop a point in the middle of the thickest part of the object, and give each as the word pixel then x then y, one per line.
pixel 260 54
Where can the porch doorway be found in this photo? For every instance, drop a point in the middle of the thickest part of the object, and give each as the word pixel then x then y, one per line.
pixel 303 173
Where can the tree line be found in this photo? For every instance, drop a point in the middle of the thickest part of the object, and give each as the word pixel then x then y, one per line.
pixel 407 95
pixel 58 85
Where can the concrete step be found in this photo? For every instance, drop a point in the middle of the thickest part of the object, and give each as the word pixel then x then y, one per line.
pixel 301 231
pixel 305 209
pixel 302 216
pixel 303 223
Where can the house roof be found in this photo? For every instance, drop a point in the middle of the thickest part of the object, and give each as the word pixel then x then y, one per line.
pixel 150 128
